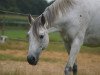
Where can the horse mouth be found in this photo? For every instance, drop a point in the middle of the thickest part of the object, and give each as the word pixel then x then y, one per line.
pixel 35 63
pixel 32 60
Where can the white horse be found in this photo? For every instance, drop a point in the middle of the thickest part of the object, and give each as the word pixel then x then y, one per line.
pixel 78 22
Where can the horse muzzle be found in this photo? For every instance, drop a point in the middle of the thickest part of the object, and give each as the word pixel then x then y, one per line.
pixel 32 60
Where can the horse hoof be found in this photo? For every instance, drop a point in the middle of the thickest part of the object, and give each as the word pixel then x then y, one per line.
pixel 68 71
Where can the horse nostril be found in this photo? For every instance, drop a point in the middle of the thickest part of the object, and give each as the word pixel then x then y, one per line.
pixel 41 36
pixel 31 60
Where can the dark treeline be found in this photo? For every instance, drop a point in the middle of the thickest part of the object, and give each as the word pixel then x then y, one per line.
pixel 34 7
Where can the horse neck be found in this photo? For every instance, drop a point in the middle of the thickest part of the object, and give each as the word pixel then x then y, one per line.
pixel 52 12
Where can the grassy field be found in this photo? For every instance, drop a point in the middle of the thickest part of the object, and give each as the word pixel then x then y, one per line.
pixel 13 62
pixel 13 55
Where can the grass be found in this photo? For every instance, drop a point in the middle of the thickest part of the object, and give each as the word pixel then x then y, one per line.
pixel 93 50
pixel 50 60
pixel 50 64
pixel 55 37
pixel 11 57
pixel 14 45
pixel 57 47
pixel 13 17
pixel 7 18
pixel 23 47
pixel 17 33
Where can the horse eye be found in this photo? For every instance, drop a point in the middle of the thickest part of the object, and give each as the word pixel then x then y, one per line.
pixel 41 36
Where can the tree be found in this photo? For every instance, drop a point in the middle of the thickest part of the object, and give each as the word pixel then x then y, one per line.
pixel 35 7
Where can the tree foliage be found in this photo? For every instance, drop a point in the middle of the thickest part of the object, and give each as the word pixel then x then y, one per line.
pixel 35 7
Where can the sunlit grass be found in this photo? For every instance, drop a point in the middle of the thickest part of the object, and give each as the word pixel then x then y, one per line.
pixel 50 60
pixel 11 57
pixel 93 50
pixel 57 47
pixel 14 45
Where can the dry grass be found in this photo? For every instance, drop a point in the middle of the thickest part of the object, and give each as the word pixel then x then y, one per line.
pixel 51 63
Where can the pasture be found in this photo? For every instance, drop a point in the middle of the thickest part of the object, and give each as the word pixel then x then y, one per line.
pixel 52 60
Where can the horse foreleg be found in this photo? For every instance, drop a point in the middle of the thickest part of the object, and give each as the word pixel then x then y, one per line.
pixel 75 69
pixel 68 47
pixel 75 47
pixel 69 69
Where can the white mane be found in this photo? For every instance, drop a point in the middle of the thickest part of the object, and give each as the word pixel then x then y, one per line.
pixel 52 12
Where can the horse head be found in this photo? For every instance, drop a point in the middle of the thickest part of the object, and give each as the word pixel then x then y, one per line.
pixel 38 38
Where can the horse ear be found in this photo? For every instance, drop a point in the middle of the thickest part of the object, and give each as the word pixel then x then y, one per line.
pixel 30 19
pixel 42 19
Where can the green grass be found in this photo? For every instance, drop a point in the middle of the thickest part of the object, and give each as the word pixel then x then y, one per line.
pixel 11 57
pixel 13 17
pixel 55 37
pixel 14 45
pixel 93 50
pixel 57 47
pixel 17 33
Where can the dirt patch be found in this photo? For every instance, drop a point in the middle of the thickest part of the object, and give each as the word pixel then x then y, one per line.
pixel 88 64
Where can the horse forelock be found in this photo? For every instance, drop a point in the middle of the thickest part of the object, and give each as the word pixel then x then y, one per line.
pixel 35 27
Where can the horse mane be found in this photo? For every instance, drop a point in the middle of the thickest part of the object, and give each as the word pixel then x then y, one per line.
pixel 52 11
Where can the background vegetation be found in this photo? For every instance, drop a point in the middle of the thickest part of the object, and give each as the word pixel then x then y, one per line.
pixel 35 7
